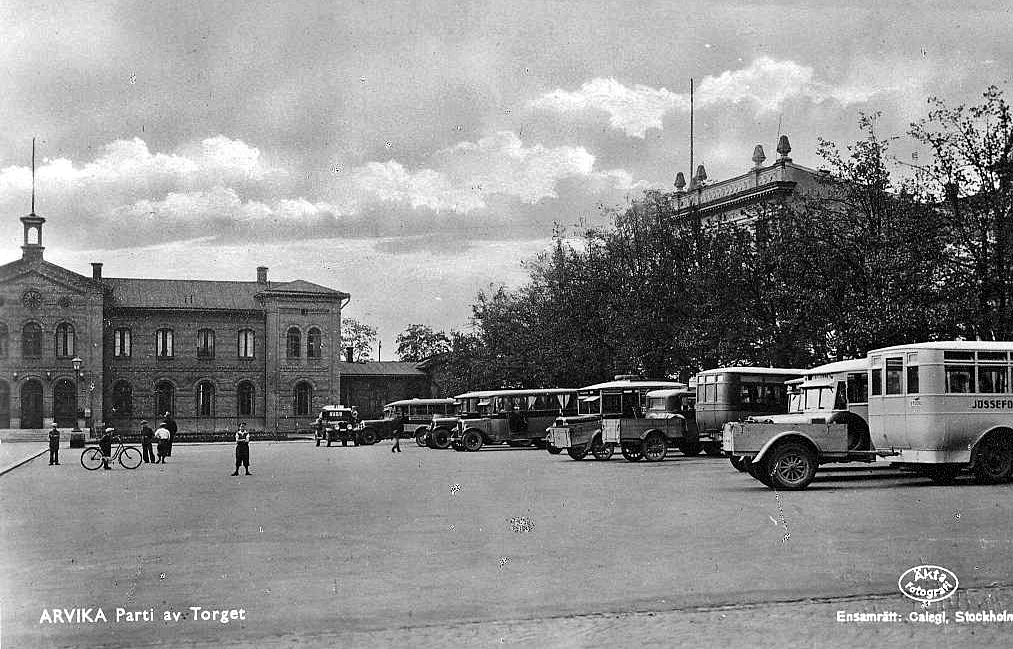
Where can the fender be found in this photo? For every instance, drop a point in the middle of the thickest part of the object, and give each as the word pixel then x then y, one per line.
pixel 974 445
pixel 781 436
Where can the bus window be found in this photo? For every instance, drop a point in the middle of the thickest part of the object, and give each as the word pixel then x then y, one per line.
pixel 876 383
pixel 992 378
pixel 840 397
pixel 612 403
pixel 959 379
pixel 858 388
pixel 912 379
pixel 894 372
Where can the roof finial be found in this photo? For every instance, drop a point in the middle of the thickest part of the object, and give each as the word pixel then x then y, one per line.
pixel 33 175
pixel 680 181
pixel 784 147
pixel 758 155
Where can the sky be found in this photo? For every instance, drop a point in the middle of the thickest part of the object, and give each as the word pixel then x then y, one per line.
pixel 412 154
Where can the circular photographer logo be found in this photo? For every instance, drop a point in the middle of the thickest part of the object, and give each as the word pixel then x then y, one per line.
pixel 928 584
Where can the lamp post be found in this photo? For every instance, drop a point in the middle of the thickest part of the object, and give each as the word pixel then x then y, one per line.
pixel 76 362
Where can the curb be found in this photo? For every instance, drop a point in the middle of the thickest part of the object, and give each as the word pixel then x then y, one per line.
pixel 28 459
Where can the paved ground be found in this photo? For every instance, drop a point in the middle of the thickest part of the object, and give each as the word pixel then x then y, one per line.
pixel 359 547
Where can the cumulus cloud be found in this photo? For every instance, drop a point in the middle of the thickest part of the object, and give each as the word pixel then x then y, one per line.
pixel 767 84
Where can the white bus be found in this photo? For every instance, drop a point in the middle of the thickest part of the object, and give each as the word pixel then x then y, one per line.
pixel 943 407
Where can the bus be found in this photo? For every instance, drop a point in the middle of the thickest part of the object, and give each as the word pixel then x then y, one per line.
pixel 419 413
pixel 734 393
pixel 944 407
pixel 513 417
pixel 593 428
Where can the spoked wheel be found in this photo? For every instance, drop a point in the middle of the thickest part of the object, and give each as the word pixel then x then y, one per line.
pixel 993 460
pixel 420 438
pixel 553 450
pixel 472 440
pixel 738 462
pixel 91 459
pixel 654 447
pixel 691 448
pixel 130 458
pixel 631 451
pixel 577 452
pixel 603 452
pixel 792 466
pixel 713 449
pixel 440 438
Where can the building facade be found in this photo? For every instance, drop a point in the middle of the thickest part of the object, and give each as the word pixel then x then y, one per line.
pixel 212 353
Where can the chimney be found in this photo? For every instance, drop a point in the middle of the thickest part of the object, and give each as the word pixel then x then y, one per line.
pixel 96 270
pixel 262 274
pixel 349 351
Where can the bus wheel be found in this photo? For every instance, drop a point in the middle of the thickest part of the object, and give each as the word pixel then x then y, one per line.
pixel 603 452
pixel 738 462
pixel 553 450
pixel 632 452
pixel 992 461
pixel 472 440
pixel 440 438
pixel 367 437
pixel 577 452
pixel 792 466
pixel 713 449
pixel 690 448
pixel 420 438
pixel 654 447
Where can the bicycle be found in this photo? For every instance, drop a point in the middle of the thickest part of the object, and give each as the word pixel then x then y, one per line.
pixel 128 456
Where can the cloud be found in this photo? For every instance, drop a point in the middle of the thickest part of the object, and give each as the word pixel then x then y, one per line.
pixel 766 84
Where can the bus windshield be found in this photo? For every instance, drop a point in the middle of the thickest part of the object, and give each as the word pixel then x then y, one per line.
pixel 818 397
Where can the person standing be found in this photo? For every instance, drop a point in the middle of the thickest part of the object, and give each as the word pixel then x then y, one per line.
pixel 105 444
pixel 398 428
pixel 54 445
pixel 242 449
pixel 147 437
pixel 170 425
pixel 162 441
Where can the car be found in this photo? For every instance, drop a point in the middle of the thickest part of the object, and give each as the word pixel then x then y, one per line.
pixel 335 424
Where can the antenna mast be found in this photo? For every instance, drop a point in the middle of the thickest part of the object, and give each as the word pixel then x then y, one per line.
pixel 692 171
pixel 33 175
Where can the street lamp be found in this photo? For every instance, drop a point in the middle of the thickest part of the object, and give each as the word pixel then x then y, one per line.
pixel 76 362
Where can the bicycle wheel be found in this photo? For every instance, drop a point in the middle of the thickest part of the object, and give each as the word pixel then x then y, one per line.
pixel 130 458
pixel 91 459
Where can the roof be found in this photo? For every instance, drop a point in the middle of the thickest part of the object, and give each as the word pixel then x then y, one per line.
pixel 420 402
pixel 754 370
pixel 664 394
pixel 514 392
pixel 853 365
pixel 624 383
pixel 204 294
pixel 380 368
pixel 955 345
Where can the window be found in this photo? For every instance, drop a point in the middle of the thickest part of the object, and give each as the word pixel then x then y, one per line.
pixel 123 399
pixel 3 340
pixel 121 342
pixel 303 398
pixel 244 399
pixel 876 382
pixel 205 399
pixel 858 388
pixel 245 343
pixel 64 340
pixel 165 398
pixel 912 379
pixel 205 343
pixel 163 343
pixel 31 341
pixel 894 373
pixel 294 339
pixel 992 378
pixel 313 343
pixel 840 396
pixel 959 379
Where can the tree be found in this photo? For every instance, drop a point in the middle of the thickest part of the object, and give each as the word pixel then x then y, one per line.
pixel 419 342
pixel 360 337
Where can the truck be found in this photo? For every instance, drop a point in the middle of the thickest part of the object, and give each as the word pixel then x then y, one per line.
pixel 668 421
pixel 827 422
pixel 337 423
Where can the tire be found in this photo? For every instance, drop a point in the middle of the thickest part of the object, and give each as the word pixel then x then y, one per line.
pixel 792 466
pixel 440 439
pixel 577 452
pixel 472 440
pixel 738 462
pixel 130 458
pixel 318 442
pixel 553 450
pixel 603 452
pixel 91 459
pixel 992 460
pixel 632 452
pixel 421 438
pixel 690 448
pixel 712 449
pixel 368 437
pixel 654 447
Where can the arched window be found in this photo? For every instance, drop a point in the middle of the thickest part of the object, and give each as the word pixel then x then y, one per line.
pixel 205 343
pixel 294 339
pixel 245 343
pixel 123 399
pixel 313 343
pixel 205 399
pixel 64 340
pixel 165 398
pixel 31 341
pixel 303 399
pixel 3 339
pixel 244 399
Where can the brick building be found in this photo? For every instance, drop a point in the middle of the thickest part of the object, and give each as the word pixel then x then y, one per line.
pixel 210 352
